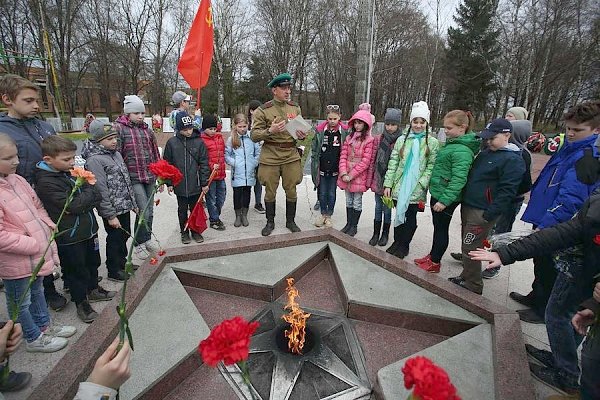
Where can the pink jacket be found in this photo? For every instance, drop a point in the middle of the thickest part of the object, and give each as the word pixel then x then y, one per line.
pixel 25 228
pixel 356 157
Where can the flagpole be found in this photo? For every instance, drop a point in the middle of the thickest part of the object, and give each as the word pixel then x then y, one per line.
pixel 199 95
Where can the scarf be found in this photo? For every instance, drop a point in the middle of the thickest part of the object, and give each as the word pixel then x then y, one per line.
pixel 384 151
pixel 410 177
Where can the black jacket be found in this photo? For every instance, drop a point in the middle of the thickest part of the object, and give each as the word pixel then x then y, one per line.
pixel 189 155
pixel 53 189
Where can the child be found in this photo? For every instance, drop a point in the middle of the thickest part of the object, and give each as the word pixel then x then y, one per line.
pixel 258 207
pixel 25 229
pixel 187 152
pixel 181 102
pixel 382 149
pixel 112 180
pixel 491 187
pixel 137 145
pixel 448 178
pixel 326 151
pixel 20 123
pixel 215 197
pixel 241 153
pixel 78 246
pixel 407 177
pixel 355 159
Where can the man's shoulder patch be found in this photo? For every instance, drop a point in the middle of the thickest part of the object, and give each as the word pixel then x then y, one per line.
pixel 292 103
pixel 266 105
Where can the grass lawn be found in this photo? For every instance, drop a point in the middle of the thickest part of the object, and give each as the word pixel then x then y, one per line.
pixel 75 135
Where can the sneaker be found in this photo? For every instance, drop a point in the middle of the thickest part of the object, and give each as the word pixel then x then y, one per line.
pixel 552 378
pixel 461 282
pixel 320 221
pixel 456 256
pixel 15 381
pixel 55 301
pixel 422 259
pixel 86 313
pixel 58 330
pixel 216 225
pixel 119 276
pixel 530 316
pixel 543 356
pixel 490 273
pixel 259 208
pixel 328 223
pixel 221 224
pixel 185 238
pixel 197 237
pixel 317 206
pixel 100 294
pixel 152 246
pixel 141 252
pixel 430 266
pixel 46 344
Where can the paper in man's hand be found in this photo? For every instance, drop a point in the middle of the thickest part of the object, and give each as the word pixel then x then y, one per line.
pixel 297 124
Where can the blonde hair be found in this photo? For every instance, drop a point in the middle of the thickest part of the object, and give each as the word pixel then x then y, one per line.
pixel 235 136
pixel 459 118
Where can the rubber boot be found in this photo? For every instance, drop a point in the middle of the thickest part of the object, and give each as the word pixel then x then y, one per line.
pixel 354 228
pixel 349 213
pixel 384 234
pixel 392 249
pixel 376 229
pixel 270 213
pixel 245 217
pixel 290 214
pixel 238 218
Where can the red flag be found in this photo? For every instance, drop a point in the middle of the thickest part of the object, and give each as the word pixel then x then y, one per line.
pixel 197 219
pixel 194 64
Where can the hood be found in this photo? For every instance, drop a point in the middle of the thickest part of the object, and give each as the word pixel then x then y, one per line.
pixel 468 139
pixel 93 149
pixel 361 115
pixel 521 132
pixel 511 147
pixel 45 167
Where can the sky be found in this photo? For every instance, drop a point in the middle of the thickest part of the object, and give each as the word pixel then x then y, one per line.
pixel 447 10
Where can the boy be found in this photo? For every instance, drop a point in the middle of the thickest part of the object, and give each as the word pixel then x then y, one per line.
pixel 188 153
pixel 21 99
pixel 556 196
pixel 181 102
pixel 78 247
pixel 491 187
pixel 112 180
pixel 137 145
pixel 215 146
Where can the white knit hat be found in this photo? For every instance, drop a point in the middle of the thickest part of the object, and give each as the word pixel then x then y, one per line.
pixel 420 109
pixel 133 104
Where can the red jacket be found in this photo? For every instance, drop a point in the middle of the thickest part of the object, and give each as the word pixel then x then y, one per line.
pixel 215 145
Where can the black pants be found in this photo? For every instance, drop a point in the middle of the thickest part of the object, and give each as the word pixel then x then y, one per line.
pixel 49 287
pixel 409 227
pixel 441 224
pixel 241 197
pixel 185 204
pixel 590 363
pixel 543 282
pixel 116 244
pixel 80 262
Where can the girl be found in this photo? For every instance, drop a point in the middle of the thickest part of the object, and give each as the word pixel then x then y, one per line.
pixel 448 178
pixel 382 148
pixel 215 146
pixel 407 177
pixel 25 229
pixel 355 159
pixel 241 153
pixel 326 150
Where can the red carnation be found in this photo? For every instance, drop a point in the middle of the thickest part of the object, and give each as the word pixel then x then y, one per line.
pixel 597 239
pixel 487 244
pixel 166 172
pixel 153 261
pixel 421 206
pixel 228 342
pixel 430 382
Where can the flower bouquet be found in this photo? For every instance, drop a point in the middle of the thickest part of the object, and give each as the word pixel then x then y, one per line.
pixel 427 380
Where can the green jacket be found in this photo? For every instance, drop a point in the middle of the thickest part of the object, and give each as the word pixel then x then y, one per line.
pixel 452 167
pixel 396 167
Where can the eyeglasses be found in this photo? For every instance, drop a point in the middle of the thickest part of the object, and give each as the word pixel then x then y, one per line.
pixel 332 107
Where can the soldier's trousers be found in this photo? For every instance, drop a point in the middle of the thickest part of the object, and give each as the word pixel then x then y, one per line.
pixel 290 174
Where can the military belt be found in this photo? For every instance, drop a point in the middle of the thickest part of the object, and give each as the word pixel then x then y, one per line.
pixel 285 145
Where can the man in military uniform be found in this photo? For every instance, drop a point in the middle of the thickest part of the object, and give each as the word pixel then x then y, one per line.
pixel 279 157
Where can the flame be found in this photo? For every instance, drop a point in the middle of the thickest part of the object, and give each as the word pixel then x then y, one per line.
pixel 296 318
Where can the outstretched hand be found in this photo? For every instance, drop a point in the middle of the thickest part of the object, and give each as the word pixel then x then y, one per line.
pixel 112 369
pixel 491 257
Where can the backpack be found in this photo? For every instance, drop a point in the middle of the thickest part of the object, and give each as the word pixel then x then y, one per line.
pixel 535 143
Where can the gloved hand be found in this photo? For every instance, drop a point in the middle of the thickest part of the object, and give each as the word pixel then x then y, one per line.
pixel 588 168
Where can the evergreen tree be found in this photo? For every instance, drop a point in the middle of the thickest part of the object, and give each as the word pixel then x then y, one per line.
pixel 471 56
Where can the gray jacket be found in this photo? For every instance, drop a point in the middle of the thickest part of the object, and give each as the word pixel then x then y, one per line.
pixel 112 179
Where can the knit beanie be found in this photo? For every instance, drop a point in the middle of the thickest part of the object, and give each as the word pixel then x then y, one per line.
pixel 183 121
pixel 209 121
pixel 392 116
pixel 133 104
pixel 420 109
pixel 518 112
pixel 99 130
pixel 367 107
pixel 521 132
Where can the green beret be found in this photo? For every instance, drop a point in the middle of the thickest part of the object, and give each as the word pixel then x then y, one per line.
pixel 281 80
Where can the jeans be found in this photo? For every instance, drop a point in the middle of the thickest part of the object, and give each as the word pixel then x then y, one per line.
pixel 185 204
pixel 33 313
pixel 142 193
pixel 257 190
pixel 507 219
pixel 590 364
pixel 215 198
pixel 80 262
pixel 382 211
pixel 441 224
pixel 563 303
pixel 327 191
pixel 241 197
pixel 116 244
pixel 354 200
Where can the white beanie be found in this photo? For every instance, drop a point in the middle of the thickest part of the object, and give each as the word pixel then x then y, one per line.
pixel 420 109
pixel 133 104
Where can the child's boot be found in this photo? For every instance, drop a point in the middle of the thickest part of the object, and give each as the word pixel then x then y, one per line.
pixel 349 213
pixel 376 229
pixel 245 217
pixel 185 237
pixel 384 234
pixel 238 218
pixel 85 312
pixel 354 228
pixel 396 243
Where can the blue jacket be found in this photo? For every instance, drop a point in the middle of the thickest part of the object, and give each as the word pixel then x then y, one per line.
pixel 557 194
pixel 243 161
pixel 28 134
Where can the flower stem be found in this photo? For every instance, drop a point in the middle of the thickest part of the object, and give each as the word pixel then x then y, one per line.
pixel 246 376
